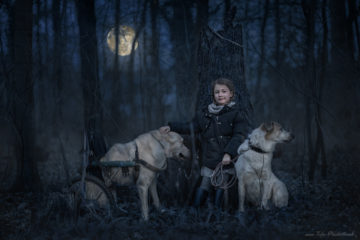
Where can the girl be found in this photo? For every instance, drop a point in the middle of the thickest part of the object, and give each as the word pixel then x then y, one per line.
pixel 222 130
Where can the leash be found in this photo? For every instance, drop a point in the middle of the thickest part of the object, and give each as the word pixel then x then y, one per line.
pixel 261 151
pixel 193 150
pixel 261 188
pixel 217 177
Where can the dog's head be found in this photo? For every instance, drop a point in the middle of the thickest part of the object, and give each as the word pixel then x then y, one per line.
pixel 276 133
pixel 268 135
pixel 175 144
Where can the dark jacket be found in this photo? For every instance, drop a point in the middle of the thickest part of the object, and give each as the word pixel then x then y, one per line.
pixel 216 141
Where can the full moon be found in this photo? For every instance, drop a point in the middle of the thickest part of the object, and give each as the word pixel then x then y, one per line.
pixel 126 39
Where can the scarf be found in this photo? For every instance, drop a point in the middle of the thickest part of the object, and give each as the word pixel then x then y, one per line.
pixel 215 109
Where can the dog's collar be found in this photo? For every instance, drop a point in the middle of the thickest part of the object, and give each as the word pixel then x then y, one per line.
pixel 256 149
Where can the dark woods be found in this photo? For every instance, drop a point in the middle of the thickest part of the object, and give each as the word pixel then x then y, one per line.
pixel 293 61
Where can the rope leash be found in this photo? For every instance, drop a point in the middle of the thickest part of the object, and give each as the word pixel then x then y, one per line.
pixel 193 151
pixel 217 177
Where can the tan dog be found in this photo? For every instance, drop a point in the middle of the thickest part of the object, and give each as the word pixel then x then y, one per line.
pixel 257 182
pixel 153 148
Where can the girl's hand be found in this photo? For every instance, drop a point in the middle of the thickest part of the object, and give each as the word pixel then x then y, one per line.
pixel 164 129
pixel 226 159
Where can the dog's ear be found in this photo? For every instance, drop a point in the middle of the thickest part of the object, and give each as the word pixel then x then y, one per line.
pixel 267 127
pixel 164 129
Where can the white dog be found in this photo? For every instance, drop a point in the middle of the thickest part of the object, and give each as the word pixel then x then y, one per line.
pixel 257 182
pixel 151 150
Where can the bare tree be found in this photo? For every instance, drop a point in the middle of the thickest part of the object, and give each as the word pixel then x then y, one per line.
pixel 309 10
pixel 116 95
pixel 93 112
pixel 155 62
pixel 181 35
pixel 277 32
pixel 22 102
pixel 57 70
pixel 353 13
pixel 262 48
pixel 40 73
pixel 344 70
pixel 130 71
pixel 349 28
pixel 202 19
pixel 318 91
pixel 145 95
pixel 213 63
pixel 47 48
pixel 339 45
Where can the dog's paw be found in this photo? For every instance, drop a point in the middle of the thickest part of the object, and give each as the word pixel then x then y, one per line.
pixel 265 206
pixel 162 210
pixel 144 219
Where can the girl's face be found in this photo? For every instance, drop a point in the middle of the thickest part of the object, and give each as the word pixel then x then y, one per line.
pixel 222 94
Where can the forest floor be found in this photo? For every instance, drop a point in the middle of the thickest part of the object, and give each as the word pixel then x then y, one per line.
pixel 319 211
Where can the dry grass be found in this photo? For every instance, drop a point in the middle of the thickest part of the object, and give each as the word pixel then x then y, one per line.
pixel 326 207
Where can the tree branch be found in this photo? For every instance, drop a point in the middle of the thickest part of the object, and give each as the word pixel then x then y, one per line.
pixel 282 76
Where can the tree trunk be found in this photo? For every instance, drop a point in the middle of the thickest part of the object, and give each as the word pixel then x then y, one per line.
pixel 39 80
pixel 47 30
pixel 277 32
pixel 181 35
pixel 309 10
pixel 89 65
pixel 349 28
pixel 44 58
pixel 202 18
pixel 57 62
pixel 340 53
pixel 116 90
pixel 219 57
pixel 158 115
pixel 352 9
pixel 262 50
pixel 319 91
pixel 146 95
pixel 23 100
pixel 131 85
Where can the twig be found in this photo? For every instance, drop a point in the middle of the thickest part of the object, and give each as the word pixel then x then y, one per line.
pixel 84 166
pixel 228 40
pixel 64 160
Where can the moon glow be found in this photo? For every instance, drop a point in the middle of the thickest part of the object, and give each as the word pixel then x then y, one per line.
pixel 126 39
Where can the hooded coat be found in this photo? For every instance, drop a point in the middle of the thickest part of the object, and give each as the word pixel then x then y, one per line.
pixel 219 133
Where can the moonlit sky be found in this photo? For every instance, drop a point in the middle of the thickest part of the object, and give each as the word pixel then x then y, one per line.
pixel 130 14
